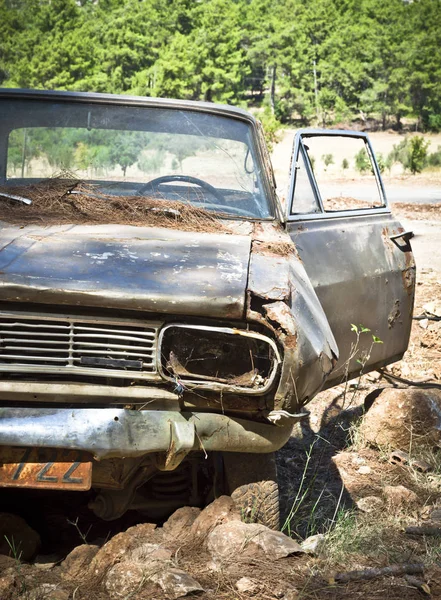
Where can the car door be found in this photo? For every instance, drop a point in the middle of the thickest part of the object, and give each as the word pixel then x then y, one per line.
pixel 355 252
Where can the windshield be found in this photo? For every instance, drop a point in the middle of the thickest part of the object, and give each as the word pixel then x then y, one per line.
pixel 205 160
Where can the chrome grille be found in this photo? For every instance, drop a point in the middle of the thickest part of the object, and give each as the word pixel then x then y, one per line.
pixel 74 345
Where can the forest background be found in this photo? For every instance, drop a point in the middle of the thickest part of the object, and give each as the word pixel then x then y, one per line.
pixel 303 62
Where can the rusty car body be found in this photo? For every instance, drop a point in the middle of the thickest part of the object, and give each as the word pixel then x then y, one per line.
pixel 127 348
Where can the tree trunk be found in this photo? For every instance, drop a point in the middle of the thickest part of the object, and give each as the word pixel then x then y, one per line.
pixel 273 89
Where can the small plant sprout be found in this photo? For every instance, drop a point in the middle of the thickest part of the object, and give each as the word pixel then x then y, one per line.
pixel 16 554
pixel 82 535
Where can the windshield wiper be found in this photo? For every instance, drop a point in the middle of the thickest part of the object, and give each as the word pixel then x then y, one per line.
pixel 16 198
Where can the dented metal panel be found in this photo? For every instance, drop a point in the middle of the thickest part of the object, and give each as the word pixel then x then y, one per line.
pixel 107 433
pixel 361 268
pixel 107 266
pixel 281 295
pixel 362 277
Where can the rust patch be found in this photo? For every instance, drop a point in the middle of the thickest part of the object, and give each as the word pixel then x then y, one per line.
pixel 290 342
pixel 388 243
pixel 394 314
pixel 279 313
pixel 408 276
pixel 46 469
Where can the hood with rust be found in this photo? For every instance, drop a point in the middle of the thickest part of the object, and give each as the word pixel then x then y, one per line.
pixel 125 267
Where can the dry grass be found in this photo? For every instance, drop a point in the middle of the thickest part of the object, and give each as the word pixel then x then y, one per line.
pixel 63 199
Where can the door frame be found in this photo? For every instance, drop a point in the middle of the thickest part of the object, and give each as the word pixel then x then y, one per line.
pixel 298 146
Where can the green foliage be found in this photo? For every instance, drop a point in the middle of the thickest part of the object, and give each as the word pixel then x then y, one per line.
pixel 418 154
pixel 345 164
pixel 328 160
pixel 362 161
pixel 434 158
pixel 411 153
pixel 381 162
pixel 322 61
pixel 434 123
pixel 271 127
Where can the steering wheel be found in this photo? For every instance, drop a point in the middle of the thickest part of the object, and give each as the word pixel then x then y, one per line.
pixel 154 184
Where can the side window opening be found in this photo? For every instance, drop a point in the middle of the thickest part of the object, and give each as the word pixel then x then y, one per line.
pixel 344 172
pixel 305 200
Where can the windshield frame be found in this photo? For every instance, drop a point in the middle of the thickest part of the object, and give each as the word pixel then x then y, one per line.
pixel 230 112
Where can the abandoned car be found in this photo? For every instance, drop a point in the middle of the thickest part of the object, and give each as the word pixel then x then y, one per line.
pixel 164 317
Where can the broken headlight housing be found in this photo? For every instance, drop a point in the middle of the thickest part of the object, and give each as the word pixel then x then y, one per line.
pixel 218 358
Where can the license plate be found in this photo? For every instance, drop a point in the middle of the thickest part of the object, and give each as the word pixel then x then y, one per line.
pixel 45 468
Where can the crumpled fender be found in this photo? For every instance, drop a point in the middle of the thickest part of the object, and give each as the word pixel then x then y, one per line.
pixel 281 296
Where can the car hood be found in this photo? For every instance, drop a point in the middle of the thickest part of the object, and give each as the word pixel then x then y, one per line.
pixel 125 267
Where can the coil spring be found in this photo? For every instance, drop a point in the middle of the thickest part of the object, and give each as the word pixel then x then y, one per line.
pixel 176 483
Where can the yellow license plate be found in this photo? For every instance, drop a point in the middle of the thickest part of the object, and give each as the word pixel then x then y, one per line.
pixel 45 468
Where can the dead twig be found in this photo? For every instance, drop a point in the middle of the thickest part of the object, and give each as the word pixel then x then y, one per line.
pixel 425 384
pixel 375 572
pixel 422 586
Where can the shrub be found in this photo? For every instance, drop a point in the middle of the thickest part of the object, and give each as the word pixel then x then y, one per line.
pixel 362 161
pixel 434 123
pixel 328 159
pixel 434 158
pixel 271 128
pixel 411 153
pixel 418 154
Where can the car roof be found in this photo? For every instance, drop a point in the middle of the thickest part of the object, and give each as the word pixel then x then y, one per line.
pixel 59 96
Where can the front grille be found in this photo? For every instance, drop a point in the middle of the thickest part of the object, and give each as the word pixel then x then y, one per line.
pixel 31 343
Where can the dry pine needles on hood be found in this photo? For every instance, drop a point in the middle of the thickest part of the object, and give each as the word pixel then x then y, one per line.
pixel 64 199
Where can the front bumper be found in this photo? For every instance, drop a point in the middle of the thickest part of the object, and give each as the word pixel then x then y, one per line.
pixel 109 432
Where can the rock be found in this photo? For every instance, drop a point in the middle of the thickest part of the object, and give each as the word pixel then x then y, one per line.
pixel 433 308
pixel 45 562
pixel 398 496
pixel 180 522
pixel 245 585
pixel 47 591
pixel 7 562
pixel 15 532
pixel 370 504
pixel 314 544
pixel 364 470
pixel 435 515
pixel 404 419
pixel 124 579
pixel 115 549
pixel 152 557
pixel 78 561
pixel 279 590
pixel 292 594
pixel 58 595
pixel 222 510
pixel 230 539
pixel 8 582
pixel 424 323
pixel 177 583
pixel 136 568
